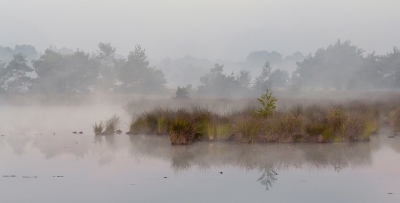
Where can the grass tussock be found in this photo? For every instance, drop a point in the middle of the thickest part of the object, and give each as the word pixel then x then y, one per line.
pixel 107 127
pixel 182 131
pixel 98 128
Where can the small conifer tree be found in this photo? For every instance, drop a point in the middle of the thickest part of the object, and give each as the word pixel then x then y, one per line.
pixel 268 105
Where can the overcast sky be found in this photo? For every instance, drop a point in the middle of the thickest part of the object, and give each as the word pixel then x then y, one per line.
pixel 213 29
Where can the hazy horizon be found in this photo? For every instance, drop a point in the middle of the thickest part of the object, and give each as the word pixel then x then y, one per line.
pixel 222 30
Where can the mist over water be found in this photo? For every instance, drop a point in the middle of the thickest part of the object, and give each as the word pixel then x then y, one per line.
pixel 40 150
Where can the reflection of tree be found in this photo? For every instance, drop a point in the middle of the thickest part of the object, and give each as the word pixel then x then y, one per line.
pixel 267 177
pixel 18 142
pixel 55 145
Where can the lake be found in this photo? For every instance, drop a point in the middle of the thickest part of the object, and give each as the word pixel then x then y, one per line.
pixel 41 160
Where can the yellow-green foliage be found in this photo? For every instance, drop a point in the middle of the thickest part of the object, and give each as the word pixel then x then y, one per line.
pixel 370 126
pixel 153 122
pixel 223 131
pixel 162 125
pixel 138 126
pixel 205 127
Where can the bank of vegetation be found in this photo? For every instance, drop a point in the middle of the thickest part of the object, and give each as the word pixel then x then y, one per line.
pixel 347 121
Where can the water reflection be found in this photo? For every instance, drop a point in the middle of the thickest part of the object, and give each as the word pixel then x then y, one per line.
pixel 267 178
pixel 18 142
pixel 54 145
pixel 268 159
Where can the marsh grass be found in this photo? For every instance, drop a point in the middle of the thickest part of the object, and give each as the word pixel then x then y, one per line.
pixel 182 131
pixel 112 125
pixel 98 128
pixel 249 129
pixel 325 122
pixel 107 127
pixel 152 122
pixel 286 127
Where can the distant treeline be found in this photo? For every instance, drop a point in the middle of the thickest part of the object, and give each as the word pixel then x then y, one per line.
pixel 339 66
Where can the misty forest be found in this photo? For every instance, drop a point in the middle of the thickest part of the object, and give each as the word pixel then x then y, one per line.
pixel 339 66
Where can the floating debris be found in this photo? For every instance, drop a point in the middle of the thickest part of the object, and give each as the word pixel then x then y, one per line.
pixel 9 176
pixel 390 193
pixel 58 176
pixel 391 136
pixel 29 176
pixel 80 132
pixel 221 172
pixel 118 131
pixel 74 132
pixel 165 177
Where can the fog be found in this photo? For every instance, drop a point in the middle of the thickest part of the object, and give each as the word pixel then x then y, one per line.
pixel 216 30
pixel 156 101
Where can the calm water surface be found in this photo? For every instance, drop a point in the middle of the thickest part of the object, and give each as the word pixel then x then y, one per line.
pixel 42 161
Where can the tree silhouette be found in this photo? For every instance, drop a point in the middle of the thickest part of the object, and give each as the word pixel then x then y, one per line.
pixel 14 76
